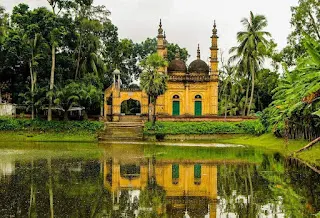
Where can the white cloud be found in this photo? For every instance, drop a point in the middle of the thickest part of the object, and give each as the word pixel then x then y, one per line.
pixel 189 22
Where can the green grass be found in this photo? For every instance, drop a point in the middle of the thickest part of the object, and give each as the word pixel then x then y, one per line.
pixel 312 155
pixel 266 141
pixel 11 136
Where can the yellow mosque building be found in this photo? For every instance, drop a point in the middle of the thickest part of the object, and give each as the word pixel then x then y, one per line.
pixel 192 90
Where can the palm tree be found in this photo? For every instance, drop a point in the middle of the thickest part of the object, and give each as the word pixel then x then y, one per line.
pixel 250 51
pixel 34 44
pixel 67 96
pixel 153 82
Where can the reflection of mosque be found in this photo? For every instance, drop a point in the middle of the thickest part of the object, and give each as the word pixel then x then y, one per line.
pixel 190 186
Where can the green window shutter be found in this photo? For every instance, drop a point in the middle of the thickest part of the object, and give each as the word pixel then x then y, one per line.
pixel 197 171
pixel 176 108
pixel 175 171
pixel 198 108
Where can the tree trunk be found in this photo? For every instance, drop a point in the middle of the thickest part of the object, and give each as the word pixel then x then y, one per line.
pixel 314 24
pixel 252 93
pixel 85 115
pixel 50 188
pixel 79 58
pixel 225 110
pixel 246 101
pixel 0 96
pixel 309 145
pixel 65 115
pixel 154 113
pixel 53 65
pixel 32 89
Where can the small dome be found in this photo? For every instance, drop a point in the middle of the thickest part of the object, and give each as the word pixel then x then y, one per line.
pixel 177 65
pixel 198 66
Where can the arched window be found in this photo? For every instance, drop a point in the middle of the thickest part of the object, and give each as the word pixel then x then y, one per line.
pixel 176 97
pixel 198 97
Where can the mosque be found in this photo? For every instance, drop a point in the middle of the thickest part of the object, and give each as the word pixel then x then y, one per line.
pixel 192 90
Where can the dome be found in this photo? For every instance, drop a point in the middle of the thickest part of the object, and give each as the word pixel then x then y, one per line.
pixel 177 65
pixel 198 66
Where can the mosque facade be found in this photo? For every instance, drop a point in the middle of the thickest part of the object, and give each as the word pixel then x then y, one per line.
pixel 192 90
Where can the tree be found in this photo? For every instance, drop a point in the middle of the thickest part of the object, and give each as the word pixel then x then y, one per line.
pixel 67 97
pixel 304 20
pixel 33 45
pixel 90 20
pixel 296 105
pixel 250 52
pixel 54 39
pixel 151 81
pixel 90 93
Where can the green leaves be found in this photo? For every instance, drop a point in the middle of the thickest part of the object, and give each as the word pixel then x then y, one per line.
pixel 152 81
pixel 254 127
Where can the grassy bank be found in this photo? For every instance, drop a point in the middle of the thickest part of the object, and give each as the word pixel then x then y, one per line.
pixel 270 142
pixel 16 136
pixel 41 130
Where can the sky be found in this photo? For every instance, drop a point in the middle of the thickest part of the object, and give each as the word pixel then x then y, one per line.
pixel 189 22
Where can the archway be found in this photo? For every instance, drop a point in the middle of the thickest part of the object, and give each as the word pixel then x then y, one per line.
pixel 176 105
pixel 198 105
pixel 131 107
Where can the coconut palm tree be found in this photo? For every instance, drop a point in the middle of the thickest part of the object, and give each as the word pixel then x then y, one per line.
pixel 250 51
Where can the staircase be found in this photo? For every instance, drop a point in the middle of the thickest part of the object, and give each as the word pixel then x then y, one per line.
pixel 122 131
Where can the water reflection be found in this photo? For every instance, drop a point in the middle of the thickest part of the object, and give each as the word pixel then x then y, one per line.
pixel 138 181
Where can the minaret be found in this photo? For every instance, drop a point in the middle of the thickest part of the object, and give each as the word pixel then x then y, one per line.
pixel 214 50
pixel 161 45
pixel 160 41
pixel 198 53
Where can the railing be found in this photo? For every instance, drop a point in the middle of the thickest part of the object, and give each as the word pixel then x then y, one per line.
pixel 193 78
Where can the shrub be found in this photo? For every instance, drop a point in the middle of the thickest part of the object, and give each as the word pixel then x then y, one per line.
pixel 174 128
pixel 11 124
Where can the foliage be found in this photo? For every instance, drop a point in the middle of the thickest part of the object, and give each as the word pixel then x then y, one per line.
pixel 254 127
pixel 251 51
pixel 153 82
pixel 296 100
pixel 304 20
pixel 10 124
pixel 44 50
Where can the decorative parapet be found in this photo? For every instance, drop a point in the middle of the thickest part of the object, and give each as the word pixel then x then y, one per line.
pixel 193 78
pixel 130 90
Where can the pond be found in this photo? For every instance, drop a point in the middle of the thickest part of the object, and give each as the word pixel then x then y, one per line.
pixel 143 180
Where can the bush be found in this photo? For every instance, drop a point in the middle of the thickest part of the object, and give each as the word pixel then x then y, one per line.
pixel 174 128
pixel 11 124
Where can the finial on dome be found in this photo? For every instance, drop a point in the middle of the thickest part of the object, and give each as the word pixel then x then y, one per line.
pixel 214 30
pixel 198 52
pixel 177 54
pixel 160 30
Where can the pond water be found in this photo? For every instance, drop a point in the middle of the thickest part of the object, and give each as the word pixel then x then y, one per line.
pixel 142 180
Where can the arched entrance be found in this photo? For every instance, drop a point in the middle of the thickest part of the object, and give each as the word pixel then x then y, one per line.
pixel 198 105
pixel 130 107
pixel 176 105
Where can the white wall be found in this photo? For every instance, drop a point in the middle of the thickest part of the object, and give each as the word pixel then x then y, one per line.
pixel 7 109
